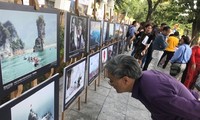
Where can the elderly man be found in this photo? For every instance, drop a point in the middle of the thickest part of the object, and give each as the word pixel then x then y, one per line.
pixel 164 96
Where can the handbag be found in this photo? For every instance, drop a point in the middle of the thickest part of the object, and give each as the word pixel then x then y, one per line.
pixel 175 69
pixel 197 83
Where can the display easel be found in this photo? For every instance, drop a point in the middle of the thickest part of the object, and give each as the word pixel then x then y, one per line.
pixel 71 61
pixel 34 83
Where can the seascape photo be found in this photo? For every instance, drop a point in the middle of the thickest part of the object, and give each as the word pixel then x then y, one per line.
pixel 28 41
pixel 38 106
pixel 74 80
pixel 93 67
pixel 95 34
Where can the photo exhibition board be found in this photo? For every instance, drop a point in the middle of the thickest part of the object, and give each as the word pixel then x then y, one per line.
pixel 112 50
pixel 74 81
pixel 93 69
pixel 105 32
pixel 38 103
pixel 118 32
pixel 75 36
pixel 111 31
pixel 29 44
pixel 95 34
pixel 104 57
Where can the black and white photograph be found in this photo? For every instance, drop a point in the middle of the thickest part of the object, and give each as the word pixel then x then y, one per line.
pixel 75 35
pixel 74 79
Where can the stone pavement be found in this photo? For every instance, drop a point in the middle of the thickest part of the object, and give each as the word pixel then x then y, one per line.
pixel 106 104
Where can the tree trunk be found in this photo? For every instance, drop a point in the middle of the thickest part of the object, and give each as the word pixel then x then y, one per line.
pixel 196 25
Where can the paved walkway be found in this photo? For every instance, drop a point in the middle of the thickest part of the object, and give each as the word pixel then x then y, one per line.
pixel 106 104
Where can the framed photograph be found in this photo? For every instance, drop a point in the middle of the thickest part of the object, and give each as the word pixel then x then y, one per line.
pixel 93 69
pixel 105 32
pixel 118 33
pixel 76 32
pixel 95 34
pixel 38 103
pixel 104 57
pixel 112 50
pixel 29 43
pixel 111 31
pixel 74 80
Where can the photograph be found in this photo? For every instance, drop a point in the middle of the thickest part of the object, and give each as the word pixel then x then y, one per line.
pixel 118 33
pixel 29 107
pixel 74 79
pixel 95 34
pixel 75 36
pixel 112 50
pixel 111 31
pixel 28 47
pixel 105 32
pixel 104 57
pixel 93 67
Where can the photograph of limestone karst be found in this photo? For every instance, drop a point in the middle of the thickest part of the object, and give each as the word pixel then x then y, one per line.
pixel 74 79
pixel 75 35
pixel 28 42
pixel 93 67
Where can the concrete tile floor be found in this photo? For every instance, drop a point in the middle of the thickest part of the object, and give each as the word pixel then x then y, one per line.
pixel 106 104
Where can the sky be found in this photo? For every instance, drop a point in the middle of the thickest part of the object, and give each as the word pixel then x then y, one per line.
pixel 25 25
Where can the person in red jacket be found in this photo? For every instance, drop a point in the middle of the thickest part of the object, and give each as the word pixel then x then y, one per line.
pixel 193 67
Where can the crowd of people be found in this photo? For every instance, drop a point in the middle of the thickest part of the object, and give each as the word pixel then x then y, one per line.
pixel 167 96
pixel 156 47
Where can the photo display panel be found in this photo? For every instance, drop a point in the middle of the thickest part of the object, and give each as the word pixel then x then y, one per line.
pixel 74 79
pixel 112 50
pixel 118 33
pixel 104 57
pixel 111 31
pixel 29 44
pixel 93 71
pixel 38 103
pixel 76 32
pixel 95 34
pixel 105 32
